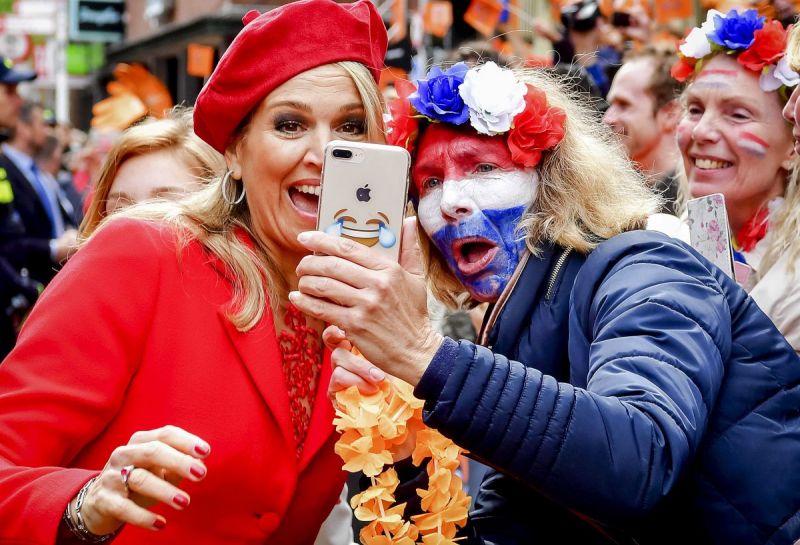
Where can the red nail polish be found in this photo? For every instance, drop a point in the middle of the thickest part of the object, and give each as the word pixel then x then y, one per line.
pixel 180 500
pixel 197 471
pixel 159 524
pixel 202 450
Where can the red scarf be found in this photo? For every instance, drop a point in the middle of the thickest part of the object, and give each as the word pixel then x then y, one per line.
pixel 753 230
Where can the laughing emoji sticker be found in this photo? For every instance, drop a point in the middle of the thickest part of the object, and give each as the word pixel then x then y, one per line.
pixel 369 233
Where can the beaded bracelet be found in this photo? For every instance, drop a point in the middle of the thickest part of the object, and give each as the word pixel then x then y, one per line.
pixel 77 527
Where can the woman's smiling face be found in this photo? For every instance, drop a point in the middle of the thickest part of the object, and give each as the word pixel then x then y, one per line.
pixel 471 199
pixel 733 138
pixel 279 156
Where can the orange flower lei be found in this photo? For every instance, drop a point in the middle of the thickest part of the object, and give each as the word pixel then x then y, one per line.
pixel 373 427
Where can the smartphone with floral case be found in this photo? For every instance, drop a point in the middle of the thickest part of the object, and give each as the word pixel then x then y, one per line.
pixel 709 231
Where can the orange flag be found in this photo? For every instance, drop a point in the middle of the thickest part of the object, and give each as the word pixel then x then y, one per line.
pixel 437 18
pixel 483 15
pixel 199 60
pixel 670 10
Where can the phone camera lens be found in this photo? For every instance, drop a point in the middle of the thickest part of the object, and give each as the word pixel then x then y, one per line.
pixel 342 153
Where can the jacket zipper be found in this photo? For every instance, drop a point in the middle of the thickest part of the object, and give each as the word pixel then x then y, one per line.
pixel 551 284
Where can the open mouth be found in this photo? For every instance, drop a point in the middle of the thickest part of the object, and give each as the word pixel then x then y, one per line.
pixel 473 254
pixel 305 198
pixel 711 164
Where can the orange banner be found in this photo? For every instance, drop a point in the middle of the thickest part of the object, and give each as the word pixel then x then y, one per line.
pixel 669 10
pixel 484 15
pixel 199 60
pixel 438 17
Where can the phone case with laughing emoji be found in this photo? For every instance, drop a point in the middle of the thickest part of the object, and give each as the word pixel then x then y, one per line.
pixel 363 194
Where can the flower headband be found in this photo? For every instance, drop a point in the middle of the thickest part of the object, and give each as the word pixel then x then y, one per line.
pixel 487 96
pixel 759 44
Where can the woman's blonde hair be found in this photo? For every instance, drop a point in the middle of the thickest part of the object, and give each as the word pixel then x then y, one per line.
pixel 785 230
pixel 784 233
pixel 793 49
pixel 207 217
pixel 587 191
pixel 174 133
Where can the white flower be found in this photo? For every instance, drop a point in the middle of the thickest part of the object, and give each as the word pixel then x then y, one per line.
pixel 494 97
pixel 784 72
pixel 777 75
pixel 708 26
pixel 696 45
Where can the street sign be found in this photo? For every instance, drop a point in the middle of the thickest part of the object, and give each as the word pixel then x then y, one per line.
pixel 96 20
pixel 16 47
pixel 36 26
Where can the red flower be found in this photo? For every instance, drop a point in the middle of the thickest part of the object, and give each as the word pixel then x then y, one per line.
pixel 536 129
pixel 402 128
pixel 768 46
pixel 682 69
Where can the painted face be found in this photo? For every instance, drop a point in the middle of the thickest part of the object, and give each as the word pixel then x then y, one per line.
pixel 279 158
pixel 161 174
pixel 472 197
pixel 733 139
pixel 632 113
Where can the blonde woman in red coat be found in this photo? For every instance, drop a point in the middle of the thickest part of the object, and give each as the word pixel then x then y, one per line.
pixel 163 389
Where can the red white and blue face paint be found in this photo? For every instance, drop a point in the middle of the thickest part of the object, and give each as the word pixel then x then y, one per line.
pixel 471 200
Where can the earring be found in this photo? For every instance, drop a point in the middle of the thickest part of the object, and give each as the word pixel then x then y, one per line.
pixel 225 193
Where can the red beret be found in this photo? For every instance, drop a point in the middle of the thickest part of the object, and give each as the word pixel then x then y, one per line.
pixel 276 46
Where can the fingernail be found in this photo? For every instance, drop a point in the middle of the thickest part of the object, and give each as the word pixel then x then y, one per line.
pixel 293 296
pixel 304 237
pixel 159 524
pixel 180 500
pixel 201 449
pixel 197 471
pixel 377 374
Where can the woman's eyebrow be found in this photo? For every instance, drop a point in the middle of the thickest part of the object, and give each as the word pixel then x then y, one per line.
pixel 291 104
pixel 351 107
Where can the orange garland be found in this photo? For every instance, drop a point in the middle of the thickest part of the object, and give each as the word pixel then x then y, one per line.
pixel 374 427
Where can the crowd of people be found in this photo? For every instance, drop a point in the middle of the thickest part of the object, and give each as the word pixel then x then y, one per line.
pixel 173 329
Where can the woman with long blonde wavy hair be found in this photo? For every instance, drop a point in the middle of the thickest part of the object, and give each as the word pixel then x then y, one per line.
pixel 164 390
pixel 623 385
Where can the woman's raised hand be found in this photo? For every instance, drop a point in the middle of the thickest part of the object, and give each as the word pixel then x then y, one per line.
pixel 155 461
pixel 381 305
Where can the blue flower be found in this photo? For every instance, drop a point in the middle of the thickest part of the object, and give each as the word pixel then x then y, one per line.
pixel 736 31
pixel 437 96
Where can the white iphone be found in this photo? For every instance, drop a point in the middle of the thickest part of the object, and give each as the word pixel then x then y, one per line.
pixel 364 193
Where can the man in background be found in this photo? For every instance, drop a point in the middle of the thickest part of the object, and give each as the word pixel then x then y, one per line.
pixel 17 290
pixel 49 237
pixel 644 112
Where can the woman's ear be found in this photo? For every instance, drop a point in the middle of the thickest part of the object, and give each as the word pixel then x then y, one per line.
pixel 791 159
pixel 232 154
pixel 668 116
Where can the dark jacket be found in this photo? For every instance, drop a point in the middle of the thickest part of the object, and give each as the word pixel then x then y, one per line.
pixel 645 395
pixel 31 248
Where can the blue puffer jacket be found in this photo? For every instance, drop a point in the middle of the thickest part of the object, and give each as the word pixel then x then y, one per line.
pixel 637 394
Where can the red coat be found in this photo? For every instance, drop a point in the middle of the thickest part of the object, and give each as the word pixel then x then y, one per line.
pixel 131 337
